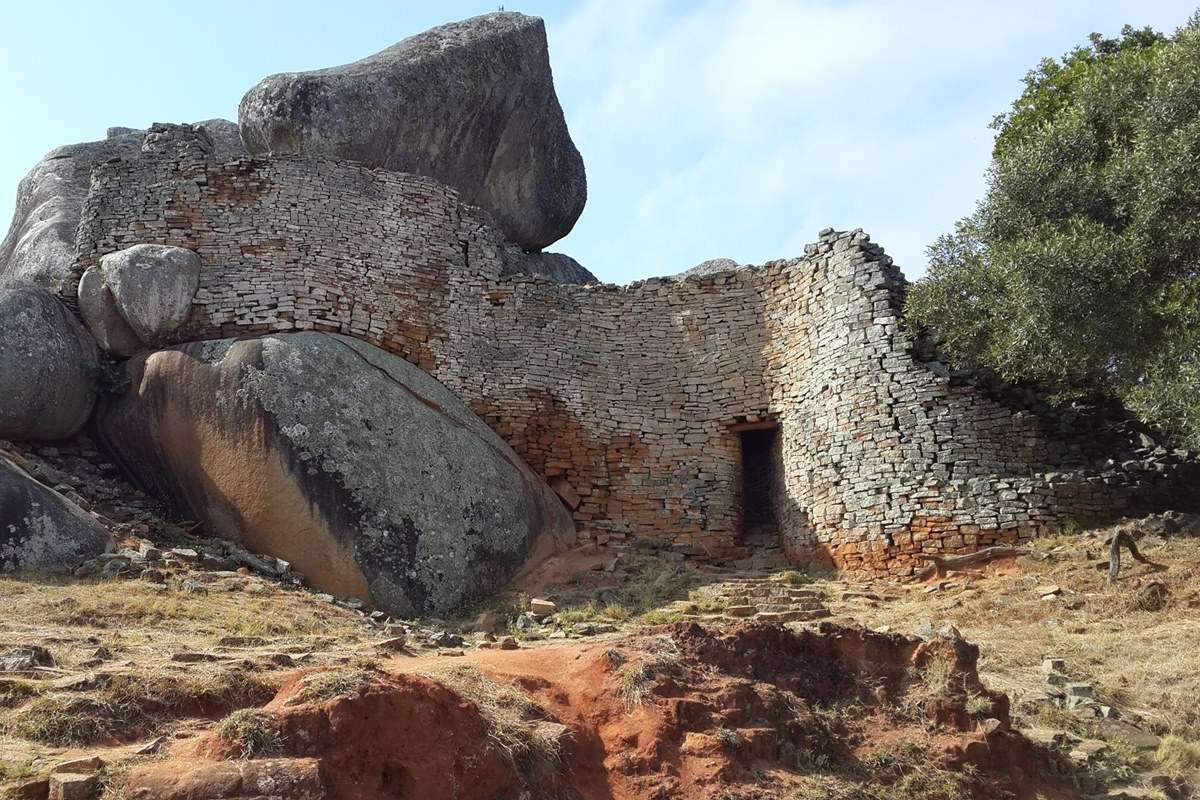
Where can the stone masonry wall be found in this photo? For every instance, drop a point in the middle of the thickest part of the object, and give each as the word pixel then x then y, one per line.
pixel 627 399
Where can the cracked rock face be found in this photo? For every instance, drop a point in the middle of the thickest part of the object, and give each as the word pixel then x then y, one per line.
pixel 364 472
pixel 471 103
pixel 39 528
pixel 48 364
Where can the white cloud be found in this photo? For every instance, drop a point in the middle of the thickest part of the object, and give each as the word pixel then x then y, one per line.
pixel 739 128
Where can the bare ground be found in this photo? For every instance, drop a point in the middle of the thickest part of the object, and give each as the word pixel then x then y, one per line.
pixel 137 660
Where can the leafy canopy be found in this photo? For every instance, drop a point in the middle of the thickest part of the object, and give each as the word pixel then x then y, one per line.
pixel 1080 269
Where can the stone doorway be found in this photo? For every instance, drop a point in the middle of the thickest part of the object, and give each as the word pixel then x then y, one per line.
pixel 761 478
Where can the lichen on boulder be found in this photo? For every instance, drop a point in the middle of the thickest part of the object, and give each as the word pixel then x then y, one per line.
pixel 139 296
pixel 364 472
pixel 39 528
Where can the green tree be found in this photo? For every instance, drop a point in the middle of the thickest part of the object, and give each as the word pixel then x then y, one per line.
pixel 1080 269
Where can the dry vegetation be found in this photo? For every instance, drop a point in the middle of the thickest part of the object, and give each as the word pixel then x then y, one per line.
pixel 170 611
pixel 515 722
pixel 1139 660
pixel 125 633
pixel 252 731
pixel 640 593
pixel 1142 661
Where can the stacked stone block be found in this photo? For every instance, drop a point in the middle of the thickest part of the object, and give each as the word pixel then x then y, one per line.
pixel 627 398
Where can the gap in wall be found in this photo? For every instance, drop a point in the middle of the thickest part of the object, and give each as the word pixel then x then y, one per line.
pixel 761 474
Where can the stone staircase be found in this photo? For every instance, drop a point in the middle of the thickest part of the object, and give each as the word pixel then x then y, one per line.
pixel 758 597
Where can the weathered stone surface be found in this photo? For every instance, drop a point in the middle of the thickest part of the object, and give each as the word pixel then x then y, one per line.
pixel 225 136
pixel 39 528
pixel 558 267
pixel 371 478
pixel 47 367
pixel 105 322
pixel 152 287
pixel 258 779
pixel 471 104
pixel 712 266
pixel 40 245
pixel 631 394
pixel 72 786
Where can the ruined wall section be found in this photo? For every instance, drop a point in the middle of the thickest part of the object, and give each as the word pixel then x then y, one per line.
pixel 625 398
pixel 622 397
pixel 288 243
pixel 888 457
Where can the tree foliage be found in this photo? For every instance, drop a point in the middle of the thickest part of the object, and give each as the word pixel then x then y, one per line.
pixel 1080 269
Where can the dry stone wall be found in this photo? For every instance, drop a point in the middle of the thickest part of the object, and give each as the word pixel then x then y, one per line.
pixel 628 399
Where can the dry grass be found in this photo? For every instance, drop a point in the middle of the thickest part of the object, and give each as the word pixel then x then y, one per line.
pixel 648 586
pixel 905 772
pixel 121 604
pixel 14 692
pixel 937 675
pixel 332 683
pixel 144 623
pixel 802 577
pixel 659 656
pixel 1178 757
pixel 128 705
pixel 253 731
pixel 592 611
pixel 16 772
pixel 513 718
pixel 1138 660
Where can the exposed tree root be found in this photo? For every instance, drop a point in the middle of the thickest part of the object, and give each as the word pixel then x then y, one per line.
pixel 1123 539
pixel 944 564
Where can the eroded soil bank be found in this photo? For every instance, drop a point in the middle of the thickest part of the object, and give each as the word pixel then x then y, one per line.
pixel 679 712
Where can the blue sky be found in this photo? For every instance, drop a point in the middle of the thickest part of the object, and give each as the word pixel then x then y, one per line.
pixel 735 128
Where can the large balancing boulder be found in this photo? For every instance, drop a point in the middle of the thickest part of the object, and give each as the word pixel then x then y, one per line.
pixel 48 366
pixel 364 472
pixel 39 528
pixel 471 104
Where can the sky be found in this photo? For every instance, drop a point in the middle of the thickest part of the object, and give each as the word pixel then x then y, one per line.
pixel 732 128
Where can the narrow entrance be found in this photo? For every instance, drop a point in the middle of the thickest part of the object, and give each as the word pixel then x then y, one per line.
pixel 761 464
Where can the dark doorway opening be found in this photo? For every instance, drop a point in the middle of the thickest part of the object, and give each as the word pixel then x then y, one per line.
pixel 761 466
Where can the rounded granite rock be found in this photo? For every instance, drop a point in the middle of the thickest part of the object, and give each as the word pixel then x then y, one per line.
pixel 48 364
pixel 371 478
pixel 39 528
pixel 471 103
pixel 99 311
pixel 152 286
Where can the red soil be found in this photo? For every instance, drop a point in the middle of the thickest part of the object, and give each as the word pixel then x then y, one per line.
pixel 744 714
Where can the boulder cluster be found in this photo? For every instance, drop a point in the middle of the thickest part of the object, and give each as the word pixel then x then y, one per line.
pixel 351 465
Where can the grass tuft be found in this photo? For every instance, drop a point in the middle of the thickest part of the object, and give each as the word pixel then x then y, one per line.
pixel 13 692
pixel 129 704
pixel 1178 756
pixel 937 675
pixel 514 720
pixel 252 730
pixel 321 686
pixel 661 657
